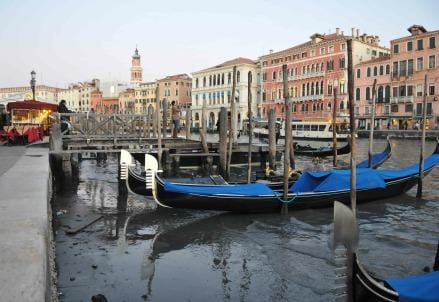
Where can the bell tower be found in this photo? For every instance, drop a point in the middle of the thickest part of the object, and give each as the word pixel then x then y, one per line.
pixel 136 68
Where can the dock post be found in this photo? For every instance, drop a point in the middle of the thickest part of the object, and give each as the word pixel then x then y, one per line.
pixel 288 134
pixel 122 192
pixel 372 125
pixel 165 117
pixel 250 125
pixel 188 122
pixel 421 155
pixel 353 192
pixel 232 122
pixel 272 139
pixel 334 129
pixel 223 142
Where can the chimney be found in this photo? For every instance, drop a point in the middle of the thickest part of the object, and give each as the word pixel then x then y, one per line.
pixel 342 33
pixel 358 33
pixel 271 51
pixel 337 31
pixel 363 37
pixel 352 31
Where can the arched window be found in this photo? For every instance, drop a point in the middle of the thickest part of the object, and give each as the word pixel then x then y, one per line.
pixel 341 105
pixel 321 87
pixel 367 93
pixel 303 69
pixel 197 116
pixel 322 67
pixel 357 94
pixel 387 94
pixel 313 107
pixel 307 69
pixel 381 69
pixel 222 79
pixel 312 68
pixel 238 76
pixel 229 78
pixel 312 88
pixel 204 82
pixel 274 75
pixel 307 88
pixel 303 89
pixel 358 73
pixel 317 67
pixel 214 80
pixel 210 80
pixel 196 83
pixel 387 69
pixel 368 71
pixel 218 78
pixel 380 94
pixel 317 88
pixel 375 71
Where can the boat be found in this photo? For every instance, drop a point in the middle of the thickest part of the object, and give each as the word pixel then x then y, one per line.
pixel 311 190
pixel 304 130
pixel 361 285
pixel 135 178
pixel 320 152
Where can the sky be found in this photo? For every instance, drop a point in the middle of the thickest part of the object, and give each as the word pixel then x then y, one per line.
pixel 69 41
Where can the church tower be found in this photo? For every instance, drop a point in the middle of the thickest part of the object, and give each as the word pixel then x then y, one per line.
pixel 136 68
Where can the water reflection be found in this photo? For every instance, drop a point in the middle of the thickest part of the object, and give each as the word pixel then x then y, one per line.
pixel 137 252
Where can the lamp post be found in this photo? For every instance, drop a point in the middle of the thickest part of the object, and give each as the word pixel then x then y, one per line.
pixel 32 83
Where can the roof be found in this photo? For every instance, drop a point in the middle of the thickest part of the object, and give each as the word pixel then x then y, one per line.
pixel 236 61
pixel 375 60
pixel 31 104
pixel 416 27
pixel 182 76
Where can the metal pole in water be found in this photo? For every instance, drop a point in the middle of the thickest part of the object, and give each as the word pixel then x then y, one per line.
pixel 288 133
pixel 421 156
pixel 372 124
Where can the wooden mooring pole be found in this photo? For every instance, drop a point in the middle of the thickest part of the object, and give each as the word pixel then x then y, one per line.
pixel 421 155
pixel 232 123
pixel 188 122
pixel 272 139
pixel 372 125
pixel 159 136
pixel 288 133
pixel 352 126
pixel 250 125
pixel 223 142
pixel 334 128
pixel 165 118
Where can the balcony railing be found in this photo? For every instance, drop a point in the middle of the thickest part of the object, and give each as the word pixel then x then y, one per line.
pixel 401 99
pixel 308 98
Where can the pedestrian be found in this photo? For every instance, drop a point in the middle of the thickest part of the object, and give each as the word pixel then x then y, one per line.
pixel 388 126
pixel 416 127
pixel 64 119
pixel 175 111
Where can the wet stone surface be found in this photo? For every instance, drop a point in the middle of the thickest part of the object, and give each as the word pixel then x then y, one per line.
pixel 146 254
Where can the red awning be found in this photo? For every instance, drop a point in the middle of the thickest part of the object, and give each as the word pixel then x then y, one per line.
pixel 30 104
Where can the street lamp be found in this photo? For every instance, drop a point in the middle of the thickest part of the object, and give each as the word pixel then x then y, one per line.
pixel 32 83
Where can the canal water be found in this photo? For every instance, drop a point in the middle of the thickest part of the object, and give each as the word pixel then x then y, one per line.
pixel 144 253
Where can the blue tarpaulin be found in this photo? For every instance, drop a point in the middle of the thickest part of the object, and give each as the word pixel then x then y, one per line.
pixel 334 180
pixel 423 288
pixel 376 158
pixel 243 190
pixel 429 162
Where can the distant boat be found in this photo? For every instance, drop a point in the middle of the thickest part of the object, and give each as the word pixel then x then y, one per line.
pixel 362 286
pixel 311 190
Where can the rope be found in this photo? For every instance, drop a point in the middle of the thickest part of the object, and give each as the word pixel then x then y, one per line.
pixel 287 200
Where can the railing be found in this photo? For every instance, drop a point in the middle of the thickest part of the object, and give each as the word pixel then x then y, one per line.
pixel 401 99
pixel 308 98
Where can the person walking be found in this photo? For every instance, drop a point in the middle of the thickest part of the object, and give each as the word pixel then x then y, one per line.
pixel 175 111
pixel 64 119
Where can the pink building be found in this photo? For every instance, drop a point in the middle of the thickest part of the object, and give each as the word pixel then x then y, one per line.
pixel 365 74
pixel 127 101
pixel 412 58
pixel 314 69
pixel 110 105
pixel 96 100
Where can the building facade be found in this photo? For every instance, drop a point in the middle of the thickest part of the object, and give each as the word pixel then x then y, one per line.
pixel 127 101
pixel 42 93
pixel 214 86
pixel 145 94
pixel 176 88
pixel 78 95
pixel 314 69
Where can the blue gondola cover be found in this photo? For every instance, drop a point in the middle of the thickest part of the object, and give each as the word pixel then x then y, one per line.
pixel 334 180
pixel 423 288
pixel 255 189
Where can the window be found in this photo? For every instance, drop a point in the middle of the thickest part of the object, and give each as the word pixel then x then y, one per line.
pixel 342 63
pixel 409 90
pixel 229 78
pixel 395 91
pixel 410 67
pixel 380 94
pixel 367 93
pixel 402 68
pixel 374 52
pixel 375 71
pixel 432 42
pixel 429 108
pixel 210 80
pixel 381 70
pixel 176 92
pixel 358 73
pixel 431 89
pixel 409 46
pixel 368 71
pixel 419 90
pixel 420 44
pixel 419 63
pixel 431 62
pixel 396 48
pixel 331 49
pixel 343 46
pixel 419 108
pixel 322 51
pixel 238 76
pixel 387 94
pixel 222 79
pixel 264 76
pixel 329 88
pixel 394 108
pixel 387 69
pixel 408 107
pixel 357 94
pixel 402 90
pixel 395 69
pixel 274 75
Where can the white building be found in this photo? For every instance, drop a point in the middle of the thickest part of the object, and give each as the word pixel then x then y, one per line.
pixel 42 93
pixel 78 96
pixel 214 85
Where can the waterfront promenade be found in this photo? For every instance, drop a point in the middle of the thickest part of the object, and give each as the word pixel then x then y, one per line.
pixel 24 231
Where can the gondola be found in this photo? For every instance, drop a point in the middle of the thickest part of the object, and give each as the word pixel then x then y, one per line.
pixel 311 190
pixel 136 179
pixel 362 286
pixel 320 152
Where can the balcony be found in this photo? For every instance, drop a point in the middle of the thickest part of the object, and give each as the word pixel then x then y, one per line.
pixel 401 99
pixel 308 98
pixel 306 75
